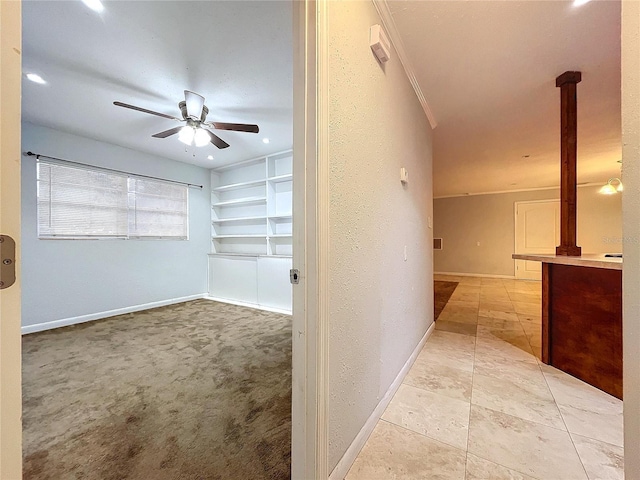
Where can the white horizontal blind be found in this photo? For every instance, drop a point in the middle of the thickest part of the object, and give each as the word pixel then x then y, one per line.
pixel 76 202
pixel 158 209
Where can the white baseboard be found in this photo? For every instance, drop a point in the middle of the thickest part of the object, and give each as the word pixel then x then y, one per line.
pixel 65 322
pixel 484 275
pixel 345 463
pixel 250 305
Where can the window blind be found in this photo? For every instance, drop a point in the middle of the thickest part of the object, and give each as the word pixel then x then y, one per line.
pixel 157 209
pixel 76 202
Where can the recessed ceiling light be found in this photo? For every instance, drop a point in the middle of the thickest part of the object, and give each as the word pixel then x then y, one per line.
pixel 265 140
pixel 34 77
pixel 579 3
pixel 210 157
pixel 95 5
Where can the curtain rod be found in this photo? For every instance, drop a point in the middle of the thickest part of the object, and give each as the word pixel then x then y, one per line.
pixel 38 156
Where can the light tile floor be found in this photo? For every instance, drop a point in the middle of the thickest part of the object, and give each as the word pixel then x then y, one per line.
pixel 478 403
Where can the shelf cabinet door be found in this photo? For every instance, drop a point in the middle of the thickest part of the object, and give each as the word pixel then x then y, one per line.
pixel 234 278
pixel 274 287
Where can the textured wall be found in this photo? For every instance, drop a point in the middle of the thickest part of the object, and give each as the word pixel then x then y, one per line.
pixel 380 305
pixel 69 278
pixel 631 213
pixel 489 219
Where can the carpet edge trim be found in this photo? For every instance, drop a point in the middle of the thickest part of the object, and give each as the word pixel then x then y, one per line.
pixel 346 462
pixel 65 322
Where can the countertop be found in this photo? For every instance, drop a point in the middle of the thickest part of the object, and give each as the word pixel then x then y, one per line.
pixel 596 260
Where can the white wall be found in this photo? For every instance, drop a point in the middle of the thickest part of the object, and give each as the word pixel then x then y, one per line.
pixel 380 305
pixel 462 222
pixel 62 279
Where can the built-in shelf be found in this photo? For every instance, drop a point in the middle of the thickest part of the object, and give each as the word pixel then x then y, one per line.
pixel 238 219
pixel 251 225
pixel 252 200
pixel 281 178
pixel 241 201
pixel 236 186
pixel 251 235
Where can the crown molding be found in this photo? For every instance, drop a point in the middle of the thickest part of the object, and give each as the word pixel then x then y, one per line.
pixel 390 26
pixel 500 192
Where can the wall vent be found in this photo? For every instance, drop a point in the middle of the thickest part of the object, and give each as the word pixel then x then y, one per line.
pixel 437 244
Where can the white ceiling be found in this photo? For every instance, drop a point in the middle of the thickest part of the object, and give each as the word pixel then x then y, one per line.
pixel 488 69
pixel 238 55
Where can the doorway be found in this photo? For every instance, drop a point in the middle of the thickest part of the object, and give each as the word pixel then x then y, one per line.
pixel 537 231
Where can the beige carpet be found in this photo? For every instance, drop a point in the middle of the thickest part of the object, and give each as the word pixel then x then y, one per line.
pixel 199 390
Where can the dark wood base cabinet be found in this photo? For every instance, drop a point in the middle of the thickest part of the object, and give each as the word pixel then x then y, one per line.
pixel 582 323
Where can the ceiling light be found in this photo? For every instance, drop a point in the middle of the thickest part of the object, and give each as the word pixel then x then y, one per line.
pixel 186 135
pixel 210 157
pixel 579 3
pixel 265 140
pixel 34 77
pixel 609 189
pixel 201 137
pixel 95 5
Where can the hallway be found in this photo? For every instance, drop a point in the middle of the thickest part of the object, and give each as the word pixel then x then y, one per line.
pixel 478 403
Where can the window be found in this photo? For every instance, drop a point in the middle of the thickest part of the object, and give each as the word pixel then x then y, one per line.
pixel 77 202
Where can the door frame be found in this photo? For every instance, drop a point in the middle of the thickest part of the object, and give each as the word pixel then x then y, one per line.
pixel 631 234
pixel 310 397
pixel 310 240
pixel 515 229
pixel 10 335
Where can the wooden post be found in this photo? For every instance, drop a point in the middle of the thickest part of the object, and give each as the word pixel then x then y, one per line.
pixel 568 157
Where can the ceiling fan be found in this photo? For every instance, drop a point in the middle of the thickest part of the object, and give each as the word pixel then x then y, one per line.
pixel 194 113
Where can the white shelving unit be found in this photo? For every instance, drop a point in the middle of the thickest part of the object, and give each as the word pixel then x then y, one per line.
pixel 251 231
pixel 251 206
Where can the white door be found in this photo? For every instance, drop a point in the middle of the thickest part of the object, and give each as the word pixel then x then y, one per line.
pixel 10 382
pixel 537 232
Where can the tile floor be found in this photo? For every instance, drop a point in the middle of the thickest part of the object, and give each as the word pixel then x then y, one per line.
pixel 478 403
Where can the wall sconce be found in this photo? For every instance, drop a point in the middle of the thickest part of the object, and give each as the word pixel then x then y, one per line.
pixel 609 189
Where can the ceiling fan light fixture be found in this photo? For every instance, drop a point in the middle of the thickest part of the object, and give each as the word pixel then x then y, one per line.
pixel 201 137
pixel 187 134
pixel 609 189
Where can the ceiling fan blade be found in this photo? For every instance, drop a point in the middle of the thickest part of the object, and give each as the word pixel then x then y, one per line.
pixel 167 133
pixel 237 127
pixel 144 110
pixel 195 103
pixel 216 140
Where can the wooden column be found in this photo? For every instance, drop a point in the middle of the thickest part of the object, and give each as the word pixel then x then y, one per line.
pixel 568 158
